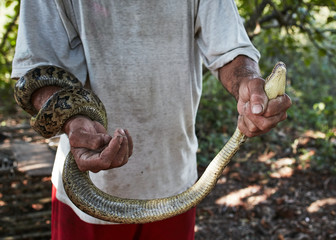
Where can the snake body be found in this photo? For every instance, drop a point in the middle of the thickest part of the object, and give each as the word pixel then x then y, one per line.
pixel 97 203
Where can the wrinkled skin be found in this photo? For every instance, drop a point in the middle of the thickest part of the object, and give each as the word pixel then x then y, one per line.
pixel 257 114
pixel 91 146
pixel 95 150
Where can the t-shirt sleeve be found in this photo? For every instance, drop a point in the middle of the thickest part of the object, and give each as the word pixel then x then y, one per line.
pixel 46 36
pixel 220 34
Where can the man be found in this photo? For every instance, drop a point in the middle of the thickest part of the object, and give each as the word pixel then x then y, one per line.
pixel 143 60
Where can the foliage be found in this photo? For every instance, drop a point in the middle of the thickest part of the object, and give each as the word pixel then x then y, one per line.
pixel 312 21
pixel 7 46
pixel 300 33
pixel 216 113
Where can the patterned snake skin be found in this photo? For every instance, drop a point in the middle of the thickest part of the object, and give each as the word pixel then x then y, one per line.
pixel 73 100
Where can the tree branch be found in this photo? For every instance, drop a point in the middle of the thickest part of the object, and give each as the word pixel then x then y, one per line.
pixel 254 19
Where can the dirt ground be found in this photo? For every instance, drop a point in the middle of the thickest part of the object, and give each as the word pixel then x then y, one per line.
pixel 259 196
pixel 254 205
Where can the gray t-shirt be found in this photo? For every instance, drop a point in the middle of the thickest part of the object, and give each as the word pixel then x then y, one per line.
pixel 144 60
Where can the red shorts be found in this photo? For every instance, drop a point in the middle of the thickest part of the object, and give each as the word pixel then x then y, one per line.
pixel 65 224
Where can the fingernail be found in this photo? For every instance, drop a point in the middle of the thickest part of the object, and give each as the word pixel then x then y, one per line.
pixel 120 139
pixel 256 109
pixel 121 131
pixel 107 138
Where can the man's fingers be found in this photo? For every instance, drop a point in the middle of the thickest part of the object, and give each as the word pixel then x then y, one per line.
pixel 86 160
pixel 257 114
pixel 259 124
pixel 252 91
pixel 278 105
pixel 248 128
pixel 95 160
pixel 112 153
pixel 258 98
pixel 99 127
pixel 130 143
pixel 116 153
pixel 87 140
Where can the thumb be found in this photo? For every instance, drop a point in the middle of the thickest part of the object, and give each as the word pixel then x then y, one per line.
pixel 258 97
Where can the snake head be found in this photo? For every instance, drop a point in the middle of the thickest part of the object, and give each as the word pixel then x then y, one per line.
pixel 275 83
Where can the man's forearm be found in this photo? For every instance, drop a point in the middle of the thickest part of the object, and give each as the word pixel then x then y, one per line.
pixel 232 74
pixel 40 96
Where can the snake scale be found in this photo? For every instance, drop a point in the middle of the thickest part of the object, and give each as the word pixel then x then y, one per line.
pixel 73 99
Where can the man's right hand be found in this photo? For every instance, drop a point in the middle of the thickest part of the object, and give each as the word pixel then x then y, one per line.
pixel 95 150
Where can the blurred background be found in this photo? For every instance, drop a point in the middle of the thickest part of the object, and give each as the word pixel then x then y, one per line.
pixel 281 185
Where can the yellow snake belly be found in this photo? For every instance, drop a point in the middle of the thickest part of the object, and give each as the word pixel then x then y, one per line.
pixel 91 200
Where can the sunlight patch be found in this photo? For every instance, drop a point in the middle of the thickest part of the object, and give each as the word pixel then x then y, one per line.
pixel 266 156
pixel 314 134
pixel 284 172
pixel 315 206
pixel 282 168
pixel 255 200
pixel 246 197
pixel 282 162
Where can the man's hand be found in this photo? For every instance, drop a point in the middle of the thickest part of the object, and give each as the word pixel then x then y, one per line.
pixel 257 114
pixel 95 150
pixel 91 146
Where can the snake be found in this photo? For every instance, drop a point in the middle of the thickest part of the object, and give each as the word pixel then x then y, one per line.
pixel 73 99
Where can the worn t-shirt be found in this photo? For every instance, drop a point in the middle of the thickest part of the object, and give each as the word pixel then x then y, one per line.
pixel 144 61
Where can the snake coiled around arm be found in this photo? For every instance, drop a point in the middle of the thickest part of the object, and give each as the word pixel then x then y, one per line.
pixel 73 100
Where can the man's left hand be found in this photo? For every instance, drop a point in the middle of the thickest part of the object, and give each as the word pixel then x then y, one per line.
pixel 257 114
